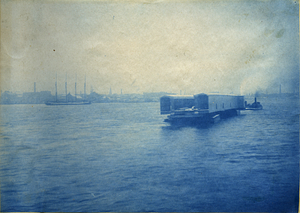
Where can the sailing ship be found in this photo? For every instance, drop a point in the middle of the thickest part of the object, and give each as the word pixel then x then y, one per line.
pixel 67 101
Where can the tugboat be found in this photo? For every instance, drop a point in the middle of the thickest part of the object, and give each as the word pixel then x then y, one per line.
pixel 254 106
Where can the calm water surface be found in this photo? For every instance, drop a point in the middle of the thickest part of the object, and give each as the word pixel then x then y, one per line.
pixel 123 157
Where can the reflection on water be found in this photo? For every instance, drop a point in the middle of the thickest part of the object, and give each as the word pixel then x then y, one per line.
pixel 123 157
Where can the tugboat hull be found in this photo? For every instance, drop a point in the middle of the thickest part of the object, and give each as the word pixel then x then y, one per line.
pixel 254 106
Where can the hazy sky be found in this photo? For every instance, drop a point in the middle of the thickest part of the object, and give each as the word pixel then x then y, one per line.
pixel 151 46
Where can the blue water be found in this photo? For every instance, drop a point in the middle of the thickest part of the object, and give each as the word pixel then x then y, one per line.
pixel 123 157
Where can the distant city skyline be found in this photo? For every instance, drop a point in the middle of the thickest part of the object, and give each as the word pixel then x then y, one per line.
pixel 111 92
pixel 238 47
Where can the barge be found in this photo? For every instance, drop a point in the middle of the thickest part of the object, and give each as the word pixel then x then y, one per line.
pixel 200 108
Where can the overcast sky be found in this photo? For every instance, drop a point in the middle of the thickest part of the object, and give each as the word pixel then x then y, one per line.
pixel 151 46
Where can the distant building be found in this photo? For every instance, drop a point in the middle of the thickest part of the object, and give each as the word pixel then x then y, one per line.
pixel 97 98
pixel 8 97
pixel 36 97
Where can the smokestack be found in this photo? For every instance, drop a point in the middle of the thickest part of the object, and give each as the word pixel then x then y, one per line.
pixel 110 91
pixel 280 89
pixel 34 87
pixel 66 90
pixel 121 91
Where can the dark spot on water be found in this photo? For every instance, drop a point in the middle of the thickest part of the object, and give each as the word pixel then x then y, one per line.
pixel 254 199
pixel 54 50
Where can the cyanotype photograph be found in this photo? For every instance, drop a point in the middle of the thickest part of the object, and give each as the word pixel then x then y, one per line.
pixel 149 106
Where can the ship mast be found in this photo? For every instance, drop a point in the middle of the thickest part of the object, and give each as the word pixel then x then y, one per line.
pixel 75 87
pixel 66 88
pixel 85 87
pixel 56 88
